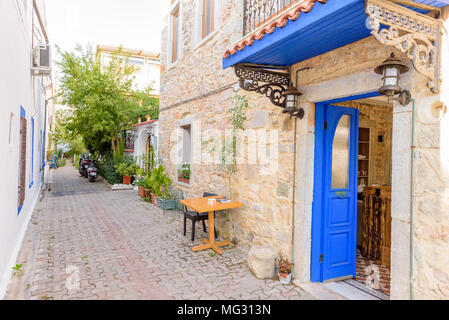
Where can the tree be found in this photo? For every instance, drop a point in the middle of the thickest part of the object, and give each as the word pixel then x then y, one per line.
pixel 62 137
pixel 102 98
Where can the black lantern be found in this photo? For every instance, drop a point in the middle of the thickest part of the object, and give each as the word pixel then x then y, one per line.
pixel 391 70
pixel 291 102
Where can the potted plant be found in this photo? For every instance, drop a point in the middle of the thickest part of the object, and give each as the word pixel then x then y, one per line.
pixel 126 171
pixel 159 181
pixel 285 271
pixel 184 173
pixel 139 181
pixel 167 199
pixel 123 170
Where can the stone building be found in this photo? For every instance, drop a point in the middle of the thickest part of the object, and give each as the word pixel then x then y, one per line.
pixel 305 173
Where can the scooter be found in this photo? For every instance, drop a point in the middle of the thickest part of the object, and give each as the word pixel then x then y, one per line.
pixel 92 171
pixel 84 162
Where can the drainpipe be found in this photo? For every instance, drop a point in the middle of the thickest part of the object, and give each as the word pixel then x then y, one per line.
pixel 294 172
pixel 412 181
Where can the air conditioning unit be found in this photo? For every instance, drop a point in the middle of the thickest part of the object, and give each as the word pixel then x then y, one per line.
pixel 41 60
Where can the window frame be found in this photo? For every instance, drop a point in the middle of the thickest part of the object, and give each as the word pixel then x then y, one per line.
pixel 204 18
pixel 187 122
pixel 198 39
pixel 175 10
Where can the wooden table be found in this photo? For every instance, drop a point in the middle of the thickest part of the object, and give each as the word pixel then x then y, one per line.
pixel 201 205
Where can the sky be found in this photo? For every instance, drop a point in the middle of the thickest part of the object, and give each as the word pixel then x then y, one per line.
pixel 134 24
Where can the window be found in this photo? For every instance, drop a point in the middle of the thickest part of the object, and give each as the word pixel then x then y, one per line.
pixel 137 61
pixel 32 154
pixel 22 160
pixel 175 35
pixel 208 17
pixel 186 154
pixel 11 122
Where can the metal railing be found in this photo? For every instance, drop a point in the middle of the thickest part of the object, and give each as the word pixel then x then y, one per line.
pixel 257 12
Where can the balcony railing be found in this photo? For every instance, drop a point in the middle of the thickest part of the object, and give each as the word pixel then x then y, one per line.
pixel 258 12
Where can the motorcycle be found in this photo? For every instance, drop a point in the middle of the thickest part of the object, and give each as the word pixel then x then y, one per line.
pixel 92 171
pixel 84 162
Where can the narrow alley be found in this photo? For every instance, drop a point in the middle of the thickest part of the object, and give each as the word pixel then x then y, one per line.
pixel 113 246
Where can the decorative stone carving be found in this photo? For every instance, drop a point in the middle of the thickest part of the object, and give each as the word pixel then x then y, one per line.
pixel 416 35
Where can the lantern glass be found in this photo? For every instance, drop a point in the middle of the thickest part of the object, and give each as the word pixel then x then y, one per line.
pixel 290 102
pixel 391 76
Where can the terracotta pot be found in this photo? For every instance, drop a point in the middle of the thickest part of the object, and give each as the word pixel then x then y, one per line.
pixel 154 199
pixel 184 180
pixel 141 191
pixel 126 180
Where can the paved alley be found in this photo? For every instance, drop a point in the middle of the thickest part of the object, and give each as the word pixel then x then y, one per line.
pixel 85 241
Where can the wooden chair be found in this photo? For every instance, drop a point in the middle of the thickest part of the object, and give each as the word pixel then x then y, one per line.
pixel 196 217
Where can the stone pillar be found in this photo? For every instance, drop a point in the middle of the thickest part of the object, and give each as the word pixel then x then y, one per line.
pixel 305 146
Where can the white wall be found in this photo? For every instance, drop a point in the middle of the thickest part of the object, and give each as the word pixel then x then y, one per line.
pixel 16 89
pixel 140 143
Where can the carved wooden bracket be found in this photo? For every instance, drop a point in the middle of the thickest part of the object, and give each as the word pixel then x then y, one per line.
pixel 416 35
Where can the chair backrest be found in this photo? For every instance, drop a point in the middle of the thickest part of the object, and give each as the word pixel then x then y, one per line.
pixel 209 194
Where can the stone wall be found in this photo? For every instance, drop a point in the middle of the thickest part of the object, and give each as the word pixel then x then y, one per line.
pixel 187 91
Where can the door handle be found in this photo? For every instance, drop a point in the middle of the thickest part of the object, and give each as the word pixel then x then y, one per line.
pixel 341 194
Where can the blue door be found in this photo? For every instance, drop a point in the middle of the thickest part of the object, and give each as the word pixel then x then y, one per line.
pixel 334 250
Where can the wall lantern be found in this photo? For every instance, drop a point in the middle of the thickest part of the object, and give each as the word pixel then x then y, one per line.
pixel 291 102
pixel 391 69
pixel 150 131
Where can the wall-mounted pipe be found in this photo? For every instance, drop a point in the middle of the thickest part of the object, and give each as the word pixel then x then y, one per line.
pixel 412 181
pixel 41 23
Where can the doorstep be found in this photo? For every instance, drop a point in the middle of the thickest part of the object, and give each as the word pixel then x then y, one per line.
pixel 353 290
pixel 122 187
pixel 319 291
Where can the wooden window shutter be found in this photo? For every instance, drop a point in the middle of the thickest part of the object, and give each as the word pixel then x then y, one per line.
pixel 175 36
pixel 22 161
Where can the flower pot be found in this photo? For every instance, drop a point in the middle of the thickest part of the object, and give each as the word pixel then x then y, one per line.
pixel 141 191
pixel 154 199
pixel 184 180
pixel 126 180
pixel 147 193
pixel 165 204
pixel 285 278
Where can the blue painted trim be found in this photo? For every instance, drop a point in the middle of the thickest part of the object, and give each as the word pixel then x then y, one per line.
pixel 317 205
pixel 20 209
pixel 32 153
pixel 350 98
pixel 316 272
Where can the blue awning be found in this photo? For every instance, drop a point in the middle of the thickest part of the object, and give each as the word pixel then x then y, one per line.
pixel 325 28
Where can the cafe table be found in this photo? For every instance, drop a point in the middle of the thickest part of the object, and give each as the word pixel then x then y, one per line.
pixel 202 205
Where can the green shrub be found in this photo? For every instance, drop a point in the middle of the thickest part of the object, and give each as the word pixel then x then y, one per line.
pixel 61 162
pixel 106 169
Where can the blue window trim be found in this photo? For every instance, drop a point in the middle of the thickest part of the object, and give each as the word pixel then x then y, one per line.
pixel 22 115
pixel 32 153
pixel 317 214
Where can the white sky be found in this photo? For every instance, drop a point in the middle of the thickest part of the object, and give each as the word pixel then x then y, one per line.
pixel 134 24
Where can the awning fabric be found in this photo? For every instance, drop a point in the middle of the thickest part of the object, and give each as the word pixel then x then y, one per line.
pixel 309 30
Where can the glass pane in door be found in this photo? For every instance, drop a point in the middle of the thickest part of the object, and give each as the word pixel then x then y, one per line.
pixel 340 153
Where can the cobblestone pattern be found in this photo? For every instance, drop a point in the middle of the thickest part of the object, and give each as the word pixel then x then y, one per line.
pixel 125 248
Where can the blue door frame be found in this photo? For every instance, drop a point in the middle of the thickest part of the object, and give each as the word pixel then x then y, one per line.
pixel 321 250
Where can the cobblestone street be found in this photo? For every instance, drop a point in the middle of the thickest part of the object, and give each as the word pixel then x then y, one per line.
pixel 120 247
